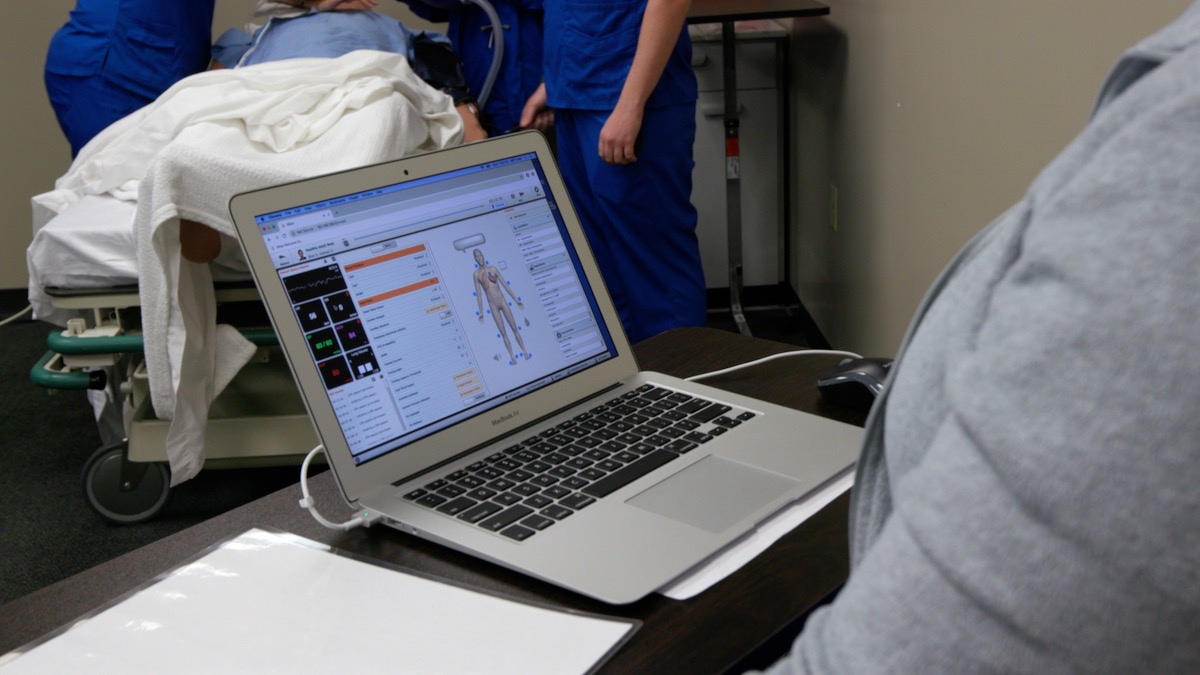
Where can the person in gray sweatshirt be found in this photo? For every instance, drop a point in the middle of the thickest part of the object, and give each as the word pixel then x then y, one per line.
pixel 1028 496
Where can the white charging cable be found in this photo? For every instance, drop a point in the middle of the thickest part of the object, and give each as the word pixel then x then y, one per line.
pixel 363 519
pixel 14 317
pixel 748 364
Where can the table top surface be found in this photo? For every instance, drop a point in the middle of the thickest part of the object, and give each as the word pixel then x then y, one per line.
pixel 744 10
pixel 694 635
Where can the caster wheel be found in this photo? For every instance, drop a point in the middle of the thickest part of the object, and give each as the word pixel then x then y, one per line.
pixel 133 498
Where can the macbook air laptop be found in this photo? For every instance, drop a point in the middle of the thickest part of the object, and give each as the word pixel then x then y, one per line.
pixel 467 373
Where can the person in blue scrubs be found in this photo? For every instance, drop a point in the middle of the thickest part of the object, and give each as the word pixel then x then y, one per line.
pixel 619 79
pixel 115 56
pixel 470 33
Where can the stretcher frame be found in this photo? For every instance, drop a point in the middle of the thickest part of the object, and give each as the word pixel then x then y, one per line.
pixel 258 420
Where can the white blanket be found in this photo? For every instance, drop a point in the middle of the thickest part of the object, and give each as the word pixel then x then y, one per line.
pixel 209 137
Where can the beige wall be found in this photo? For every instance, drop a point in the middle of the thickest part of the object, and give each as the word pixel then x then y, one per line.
pixel 930 117
pixel 33 151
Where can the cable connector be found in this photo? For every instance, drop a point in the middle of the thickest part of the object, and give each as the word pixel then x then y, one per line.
pixel 368 517
pixel 365 518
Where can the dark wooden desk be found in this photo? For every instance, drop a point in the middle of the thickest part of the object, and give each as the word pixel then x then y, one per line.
pixel 703 11
pixel 706 634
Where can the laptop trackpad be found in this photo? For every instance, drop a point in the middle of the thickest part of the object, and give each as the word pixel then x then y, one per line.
pixel 713 494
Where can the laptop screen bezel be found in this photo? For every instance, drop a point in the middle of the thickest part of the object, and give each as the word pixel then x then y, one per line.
pixel 359 480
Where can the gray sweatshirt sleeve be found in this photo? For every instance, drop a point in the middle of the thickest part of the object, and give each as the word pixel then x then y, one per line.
pixel 1042 445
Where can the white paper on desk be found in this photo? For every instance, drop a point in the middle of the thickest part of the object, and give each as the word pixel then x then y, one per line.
pixel 731 559
pixel 263 603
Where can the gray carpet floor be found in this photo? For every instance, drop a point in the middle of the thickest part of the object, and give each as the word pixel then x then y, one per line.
pixel 47 529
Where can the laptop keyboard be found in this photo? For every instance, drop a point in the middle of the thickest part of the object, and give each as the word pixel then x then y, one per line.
pixel 538 482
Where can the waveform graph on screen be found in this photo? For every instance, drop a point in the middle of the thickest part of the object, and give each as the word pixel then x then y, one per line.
pixel 314 284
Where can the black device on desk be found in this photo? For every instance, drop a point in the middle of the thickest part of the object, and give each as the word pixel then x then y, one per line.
pixel 855 383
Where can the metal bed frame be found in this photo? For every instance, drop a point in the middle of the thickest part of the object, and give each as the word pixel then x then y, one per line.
pixel 258 420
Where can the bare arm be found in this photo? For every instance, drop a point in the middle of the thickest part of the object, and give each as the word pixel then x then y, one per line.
pixel 478 292
pixel 661 26
pixel 507 288
pixel 472 128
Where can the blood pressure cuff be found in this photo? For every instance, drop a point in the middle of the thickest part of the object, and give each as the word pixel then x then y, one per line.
pixel 440 67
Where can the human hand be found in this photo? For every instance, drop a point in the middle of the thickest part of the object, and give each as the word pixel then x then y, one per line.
pixel 472 127
pixel 198 242
pixel 537 114
pixel 618 136
pixel 542 121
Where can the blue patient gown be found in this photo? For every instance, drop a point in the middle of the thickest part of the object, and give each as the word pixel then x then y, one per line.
pixel 115 56
pixel 320 34
pixel 638 217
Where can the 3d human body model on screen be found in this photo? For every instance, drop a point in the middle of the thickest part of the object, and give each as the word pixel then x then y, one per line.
pixel 490 283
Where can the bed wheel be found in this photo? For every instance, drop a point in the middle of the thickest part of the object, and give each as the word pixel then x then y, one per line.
pixel 121 491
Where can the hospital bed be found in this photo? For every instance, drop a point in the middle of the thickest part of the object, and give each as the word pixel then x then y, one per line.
pixel 104 266
pixel 258 420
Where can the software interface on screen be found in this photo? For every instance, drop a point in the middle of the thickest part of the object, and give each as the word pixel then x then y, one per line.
pixel 433 300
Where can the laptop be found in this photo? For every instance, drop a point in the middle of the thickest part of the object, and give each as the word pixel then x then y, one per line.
pixel 466 371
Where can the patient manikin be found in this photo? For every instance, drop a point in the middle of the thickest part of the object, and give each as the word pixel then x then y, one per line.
pixel 291 33
pixel 299 34
pixel 490 283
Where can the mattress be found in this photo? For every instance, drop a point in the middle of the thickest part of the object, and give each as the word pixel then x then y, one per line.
pixel 90 246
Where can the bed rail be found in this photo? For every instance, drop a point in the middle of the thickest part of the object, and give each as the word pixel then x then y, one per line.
pixel 53 372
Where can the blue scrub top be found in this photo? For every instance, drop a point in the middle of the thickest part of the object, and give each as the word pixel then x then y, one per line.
pixel 589 48
pixel 141 46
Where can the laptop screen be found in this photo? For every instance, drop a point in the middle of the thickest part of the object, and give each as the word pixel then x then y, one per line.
pixel 434 300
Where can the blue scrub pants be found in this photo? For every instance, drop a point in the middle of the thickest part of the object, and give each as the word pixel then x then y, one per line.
pixel 639 219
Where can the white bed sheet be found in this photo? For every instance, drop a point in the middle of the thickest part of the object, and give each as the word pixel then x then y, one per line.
pixel 90 246
pixel 208 137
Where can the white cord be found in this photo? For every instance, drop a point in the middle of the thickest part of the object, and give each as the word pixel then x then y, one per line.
pixel 801 352
pixel 307 502
pixel 14 317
